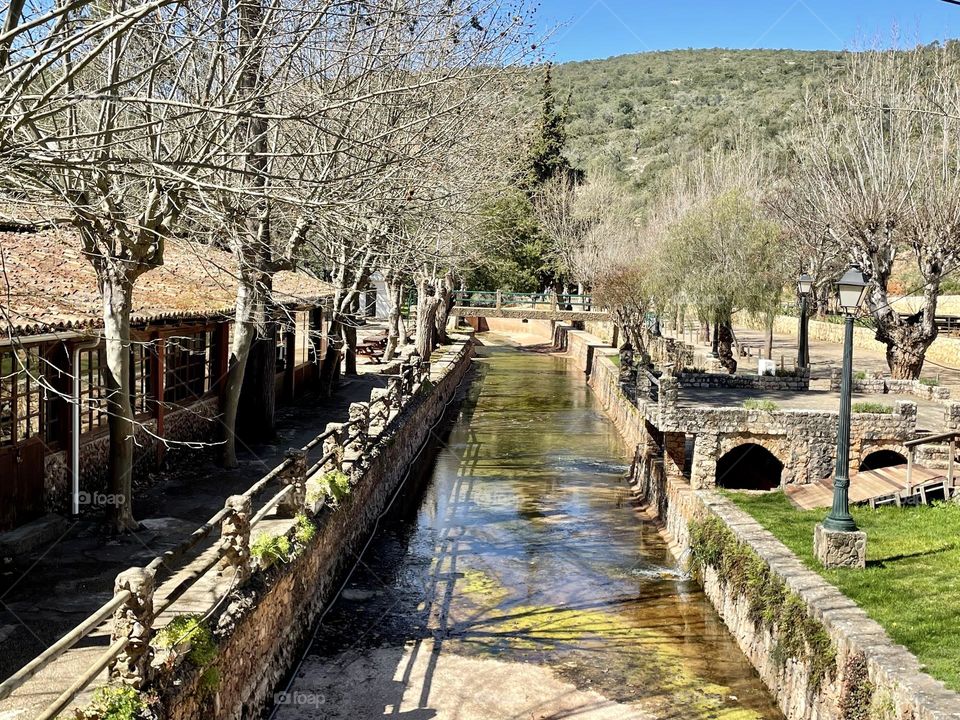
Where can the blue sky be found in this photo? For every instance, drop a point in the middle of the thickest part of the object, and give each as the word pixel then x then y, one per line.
pixel 601 28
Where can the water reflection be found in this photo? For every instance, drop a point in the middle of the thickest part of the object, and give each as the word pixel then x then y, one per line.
pixel 522 545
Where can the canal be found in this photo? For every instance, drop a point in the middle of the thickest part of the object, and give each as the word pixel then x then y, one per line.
pixel 516 580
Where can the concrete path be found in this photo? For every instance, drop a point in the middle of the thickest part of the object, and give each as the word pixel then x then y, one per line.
pixel 824 356
pixel 392 682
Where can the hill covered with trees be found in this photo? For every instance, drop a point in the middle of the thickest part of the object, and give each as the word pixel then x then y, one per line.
pixel 639 114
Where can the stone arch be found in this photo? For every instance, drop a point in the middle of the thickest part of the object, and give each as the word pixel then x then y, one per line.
pixel 877 458
pixel 749 466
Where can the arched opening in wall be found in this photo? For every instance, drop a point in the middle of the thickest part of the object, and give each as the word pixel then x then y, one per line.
pixel 749 467
pixel 882 459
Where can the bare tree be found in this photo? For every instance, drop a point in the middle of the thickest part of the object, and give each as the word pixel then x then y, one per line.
pixel 879 164
pixel 97 120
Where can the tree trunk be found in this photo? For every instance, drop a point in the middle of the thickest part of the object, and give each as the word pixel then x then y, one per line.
pixel 330 365
pixel 117 293
pixel 724 335
pixel 426 319
pixel 444 304
pixel 907 342
pixel 243 334
pixel 349 335
pixel 394 299
pixel 258 397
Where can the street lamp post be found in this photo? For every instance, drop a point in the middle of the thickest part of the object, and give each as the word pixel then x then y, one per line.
pixel 804 285
pixel 837 542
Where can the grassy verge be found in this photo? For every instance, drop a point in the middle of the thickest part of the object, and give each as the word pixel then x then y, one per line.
pixel 911 585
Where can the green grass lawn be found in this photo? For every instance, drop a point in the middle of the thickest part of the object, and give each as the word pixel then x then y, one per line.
pixel 911 585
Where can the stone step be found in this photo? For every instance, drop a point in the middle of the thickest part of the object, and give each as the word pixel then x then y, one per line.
pixel 35 534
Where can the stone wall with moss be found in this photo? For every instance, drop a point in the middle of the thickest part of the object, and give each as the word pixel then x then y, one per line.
pixel 261 628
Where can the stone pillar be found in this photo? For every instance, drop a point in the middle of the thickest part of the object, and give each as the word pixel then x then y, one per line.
pixel 294 477
pixel 359 430
pixel 235 538
pixel 952 415
pixel 706 449
pixel 499 303
pixel 395 390
pixel 333 448
pixel 379 410
pixel 839 548
pixel 133 620
pixel 674 454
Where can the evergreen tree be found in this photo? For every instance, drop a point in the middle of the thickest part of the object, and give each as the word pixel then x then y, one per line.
pixel 546 151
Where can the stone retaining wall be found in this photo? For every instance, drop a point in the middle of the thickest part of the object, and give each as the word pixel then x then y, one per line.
pixel 262 628
pixel 900 690
pixel 889 386
pixel 800 381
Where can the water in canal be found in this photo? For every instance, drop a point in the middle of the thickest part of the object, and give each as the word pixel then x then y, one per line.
pixel 517 581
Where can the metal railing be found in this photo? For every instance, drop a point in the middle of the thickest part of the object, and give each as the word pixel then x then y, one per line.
pixel 948 437
pixel 546 301
pixel 341 449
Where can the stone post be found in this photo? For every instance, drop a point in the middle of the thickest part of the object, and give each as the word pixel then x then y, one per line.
pixel 359 429
pixel 294 477
pixel 395 390
pixel 499 302
pixel 333 448
pixel 379 410
pixel 235 538
pixel 952 415
pixel 134 621
pixel 674 454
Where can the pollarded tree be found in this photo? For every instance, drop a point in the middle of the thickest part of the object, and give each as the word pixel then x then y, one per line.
pixel 879 162
pixel 103 122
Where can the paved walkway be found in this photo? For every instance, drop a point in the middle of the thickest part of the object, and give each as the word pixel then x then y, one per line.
pixel 824 357
pixel 45 595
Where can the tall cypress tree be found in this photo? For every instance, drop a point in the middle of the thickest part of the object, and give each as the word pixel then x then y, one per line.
pixel 546 150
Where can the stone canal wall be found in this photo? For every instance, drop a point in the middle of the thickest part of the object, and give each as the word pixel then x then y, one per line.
pixel 262 627
pixel 830 661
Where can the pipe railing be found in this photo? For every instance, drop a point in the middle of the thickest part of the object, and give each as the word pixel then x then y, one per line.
pixel 134 590
pixel 948 437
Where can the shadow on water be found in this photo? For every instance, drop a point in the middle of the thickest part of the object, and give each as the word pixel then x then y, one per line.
pixel 518 542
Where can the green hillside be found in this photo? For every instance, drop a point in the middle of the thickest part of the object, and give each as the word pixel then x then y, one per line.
pixel 640 113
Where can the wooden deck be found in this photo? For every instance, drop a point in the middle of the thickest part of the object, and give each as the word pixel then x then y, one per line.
pixel 876 487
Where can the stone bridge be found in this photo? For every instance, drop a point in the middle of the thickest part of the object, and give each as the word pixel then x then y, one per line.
pixel 700 426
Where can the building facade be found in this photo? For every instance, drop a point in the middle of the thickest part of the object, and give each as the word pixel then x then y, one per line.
pixel 54 440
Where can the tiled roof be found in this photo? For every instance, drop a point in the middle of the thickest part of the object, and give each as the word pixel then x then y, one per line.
pixel 47 285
